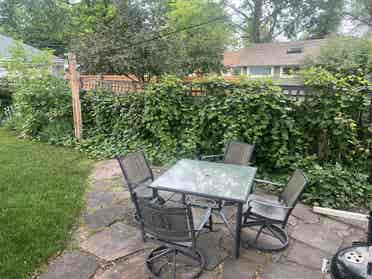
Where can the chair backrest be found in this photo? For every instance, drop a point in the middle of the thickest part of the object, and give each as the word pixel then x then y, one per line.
pixel 135 168
pixel 294 188
pixel 239 153
pixel 171 224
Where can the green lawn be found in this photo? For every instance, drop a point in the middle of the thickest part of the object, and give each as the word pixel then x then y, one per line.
pixel 41 194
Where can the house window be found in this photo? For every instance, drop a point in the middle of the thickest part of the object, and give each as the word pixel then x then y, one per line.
pixel 296 49
pixel 260 71
pixel 236 71
pixel 289 71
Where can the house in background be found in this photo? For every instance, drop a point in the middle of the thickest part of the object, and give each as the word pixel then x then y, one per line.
pixel 6 43
pixel 278 60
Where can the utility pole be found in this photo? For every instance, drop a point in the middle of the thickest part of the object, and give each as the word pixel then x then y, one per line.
pixel 75 93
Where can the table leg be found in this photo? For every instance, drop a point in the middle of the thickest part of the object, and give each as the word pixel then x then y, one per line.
pixel 238 227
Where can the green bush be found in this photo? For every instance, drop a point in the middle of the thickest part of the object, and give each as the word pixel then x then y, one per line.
pixel 332 126
pixel 5 97
pixel 335 186
pixel 41 102
pixel 167 123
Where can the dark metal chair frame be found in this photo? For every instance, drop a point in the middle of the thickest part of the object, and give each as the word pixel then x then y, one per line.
pixel 156 198
pixel 217 206
pixel 149 177
pixel 226 152
pixel 276 227
pixel 170 241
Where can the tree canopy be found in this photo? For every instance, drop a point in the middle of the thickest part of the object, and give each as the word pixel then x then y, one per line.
pixel 361 12
pixel 148 38
pixel 265 20
pixel 346 56
pixel 40 23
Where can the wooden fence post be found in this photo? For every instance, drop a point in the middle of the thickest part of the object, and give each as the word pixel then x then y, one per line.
pixel 75 92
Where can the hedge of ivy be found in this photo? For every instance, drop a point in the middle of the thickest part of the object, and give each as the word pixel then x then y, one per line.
pixel 168 123
pixel 331 128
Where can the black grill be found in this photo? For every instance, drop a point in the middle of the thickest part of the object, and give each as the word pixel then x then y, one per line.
pixel 354 262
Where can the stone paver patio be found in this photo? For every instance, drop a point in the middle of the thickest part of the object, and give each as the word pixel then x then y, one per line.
pixel 107 243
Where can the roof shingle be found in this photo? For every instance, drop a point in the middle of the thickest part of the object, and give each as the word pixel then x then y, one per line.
pixel 271 54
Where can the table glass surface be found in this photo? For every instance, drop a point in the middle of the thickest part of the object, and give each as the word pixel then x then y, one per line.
pixel 207 179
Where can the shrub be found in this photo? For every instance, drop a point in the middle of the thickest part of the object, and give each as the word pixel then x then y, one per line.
pixel 347 56
pixel 5 97
pixel 335 186
pixel 41 102
pixel 168 123
pixel 336 122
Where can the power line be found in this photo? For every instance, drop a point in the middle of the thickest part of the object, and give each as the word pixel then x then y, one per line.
pixel 177 31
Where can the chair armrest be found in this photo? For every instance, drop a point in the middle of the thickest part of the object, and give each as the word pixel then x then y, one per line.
pixel 268 204
pixel 206 157
pixel 269 182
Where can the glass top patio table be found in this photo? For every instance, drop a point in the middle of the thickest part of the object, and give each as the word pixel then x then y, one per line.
pixel 206 179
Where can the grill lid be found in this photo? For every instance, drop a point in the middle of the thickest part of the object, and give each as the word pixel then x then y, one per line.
pixel 353 263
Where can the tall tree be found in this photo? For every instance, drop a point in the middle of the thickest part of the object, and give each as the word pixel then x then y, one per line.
pixel 360 12
pixel 199 49
pixel 265 20
pixel 148 38
pixel 40 23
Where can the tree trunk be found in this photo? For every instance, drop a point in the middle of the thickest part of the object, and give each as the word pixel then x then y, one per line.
pixel 323 145
pixel 256 23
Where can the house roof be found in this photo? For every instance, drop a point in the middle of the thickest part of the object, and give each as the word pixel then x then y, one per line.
pixel 6 43
pixel 271 54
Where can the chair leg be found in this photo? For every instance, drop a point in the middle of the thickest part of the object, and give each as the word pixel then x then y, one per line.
pixel 224 219
pixel 211 222
pixel 245 219
pixel 259 232
pixel 278 237
pixel 174 264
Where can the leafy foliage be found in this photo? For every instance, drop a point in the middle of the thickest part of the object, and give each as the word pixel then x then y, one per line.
pixel 334 186
pixel 41 102
pixel 332 127
pixel 348 57
pixel 361 12
pixel 143 38
pixel 198 49
pixel 167 123
pixel 5 97
pixel 264 20
pixel 41 23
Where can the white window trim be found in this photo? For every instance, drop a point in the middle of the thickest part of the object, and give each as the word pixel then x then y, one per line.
pixel 260 76
pixel 283 75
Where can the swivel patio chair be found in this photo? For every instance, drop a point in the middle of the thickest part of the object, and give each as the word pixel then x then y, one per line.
pixel 238 153
pixel 267 219
pixel 137 174
pixel 173 229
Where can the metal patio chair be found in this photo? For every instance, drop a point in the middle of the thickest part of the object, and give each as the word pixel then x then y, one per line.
pixel 137 176
pixel 238 153
pixel 267 219
pixel 174 230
